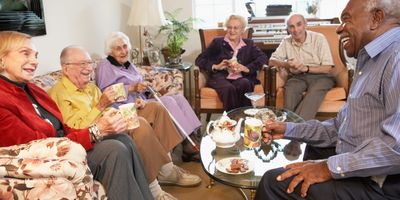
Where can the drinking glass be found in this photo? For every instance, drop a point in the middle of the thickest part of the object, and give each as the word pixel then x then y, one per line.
pixel 254 97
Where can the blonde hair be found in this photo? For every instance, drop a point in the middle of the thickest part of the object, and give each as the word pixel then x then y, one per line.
pixel 114 36
pixel 241 19
pixel 11 40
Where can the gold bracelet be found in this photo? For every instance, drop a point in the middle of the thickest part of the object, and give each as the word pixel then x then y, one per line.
pixel 95 133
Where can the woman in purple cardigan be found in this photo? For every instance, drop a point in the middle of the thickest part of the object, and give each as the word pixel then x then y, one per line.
pixel 117 69
pixel 232 64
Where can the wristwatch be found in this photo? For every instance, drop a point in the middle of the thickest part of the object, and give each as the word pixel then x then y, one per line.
pixel 308 69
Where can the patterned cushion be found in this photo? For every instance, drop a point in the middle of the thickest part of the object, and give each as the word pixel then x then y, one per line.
pixel 52 168
pixel 163 80
pixel 46 81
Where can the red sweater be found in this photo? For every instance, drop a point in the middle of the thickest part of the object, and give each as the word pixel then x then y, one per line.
pixel 19 122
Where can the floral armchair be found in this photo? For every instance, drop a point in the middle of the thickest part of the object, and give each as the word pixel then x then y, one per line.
pixel 52 168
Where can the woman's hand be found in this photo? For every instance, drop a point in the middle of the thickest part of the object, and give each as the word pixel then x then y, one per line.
pixel 222 65
pixel 273 130
pixel 139 103
pixel 237 67
pixel 111 122
pixel 137 87
pixel 106 99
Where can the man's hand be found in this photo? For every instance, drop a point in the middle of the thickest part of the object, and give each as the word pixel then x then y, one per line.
pixel 139 103
pixel 273 130
pixel 111 122
pixel 106 99
pixel 308 172
pixel 296 66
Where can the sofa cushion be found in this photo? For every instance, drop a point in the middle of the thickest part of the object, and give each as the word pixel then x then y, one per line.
pixel 46 81
pixel 163 80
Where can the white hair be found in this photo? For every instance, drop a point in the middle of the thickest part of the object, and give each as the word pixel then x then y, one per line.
pixel 390 7
pixel 114 36
pixel 241 19
pixel 295 14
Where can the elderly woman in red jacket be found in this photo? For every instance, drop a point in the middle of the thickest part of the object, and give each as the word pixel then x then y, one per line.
pixel 232 63
pixel 27 113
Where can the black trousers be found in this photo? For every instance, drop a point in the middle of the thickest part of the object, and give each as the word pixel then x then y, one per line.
pixel 359 188
pixel 362 188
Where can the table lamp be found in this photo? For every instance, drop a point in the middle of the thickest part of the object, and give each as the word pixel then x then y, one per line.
pixel 146 13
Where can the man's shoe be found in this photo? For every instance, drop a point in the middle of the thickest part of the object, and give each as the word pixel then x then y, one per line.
pixel 165 196
pixel 179 177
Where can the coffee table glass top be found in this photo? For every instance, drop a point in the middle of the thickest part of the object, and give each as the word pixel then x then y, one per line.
pixel 278 154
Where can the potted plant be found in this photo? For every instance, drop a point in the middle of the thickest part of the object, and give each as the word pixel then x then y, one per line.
pixel 177 33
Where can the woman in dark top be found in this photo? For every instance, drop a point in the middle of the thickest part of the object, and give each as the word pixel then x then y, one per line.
pixel 232 63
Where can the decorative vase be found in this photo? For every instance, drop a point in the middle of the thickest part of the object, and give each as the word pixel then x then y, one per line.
pixel 172 60
pixel 175 60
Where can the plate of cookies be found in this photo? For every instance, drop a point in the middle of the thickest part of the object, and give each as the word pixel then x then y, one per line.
pixel 234 166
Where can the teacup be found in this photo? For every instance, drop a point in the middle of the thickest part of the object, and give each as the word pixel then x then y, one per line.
pixel 252 132
pixel 129 113
pixel 120 93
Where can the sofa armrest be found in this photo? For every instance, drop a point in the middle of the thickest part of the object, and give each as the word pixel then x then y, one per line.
pixel 165 81
pixel 51 159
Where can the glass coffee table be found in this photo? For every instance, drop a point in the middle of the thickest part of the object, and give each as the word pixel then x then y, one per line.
pixel 278 154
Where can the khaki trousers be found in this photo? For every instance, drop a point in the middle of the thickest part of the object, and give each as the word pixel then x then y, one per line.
pixel 155 138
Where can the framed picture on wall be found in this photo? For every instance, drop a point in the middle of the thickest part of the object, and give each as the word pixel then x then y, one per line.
pixel 25 16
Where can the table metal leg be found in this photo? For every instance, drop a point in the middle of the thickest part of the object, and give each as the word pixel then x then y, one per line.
pixel 185 84
pixel 243 194
pixel 252 194
pixel 190 86
pixel 212 182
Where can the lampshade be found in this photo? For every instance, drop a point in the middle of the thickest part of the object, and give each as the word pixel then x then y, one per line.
pixel 146 13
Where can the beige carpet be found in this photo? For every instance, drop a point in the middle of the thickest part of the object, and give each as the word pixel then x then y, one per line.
pixel 218 192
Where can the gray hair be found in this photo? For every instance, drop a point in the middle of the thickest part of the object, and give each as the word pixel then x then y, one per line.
pixel 390 7
pixel 295 14
pixel 114 36
pixel 242 20
pixel 64 55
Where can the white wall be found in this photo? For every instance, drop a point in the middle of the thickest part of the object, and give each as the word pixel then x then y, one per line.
pixel 80 22
pixel 87 23
pixel 192 46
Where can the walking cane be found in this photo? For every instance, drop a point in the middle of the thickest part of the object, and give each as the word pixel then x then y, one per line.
pixel 173 119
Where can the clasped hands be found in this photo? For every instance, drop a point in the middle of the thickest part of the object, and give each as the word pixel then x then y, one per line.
pixel 295 66
pixel 231 65
pixel 111 122
pixel 306 173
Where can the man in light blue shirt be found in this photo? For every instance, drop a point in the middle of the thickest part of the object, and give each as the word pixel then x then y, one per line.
pixel 366 131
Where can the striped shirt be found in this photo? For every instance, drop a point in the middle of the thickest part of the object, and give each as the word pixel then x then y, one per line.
pixel 366 131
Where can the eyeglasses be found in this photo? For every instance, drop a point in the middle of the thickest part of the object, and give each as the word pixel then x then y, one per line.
pixel 83 64
pixel 234 27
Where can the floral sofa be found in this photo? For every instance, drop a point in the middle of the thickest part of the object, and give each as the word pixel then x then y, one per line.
pixel 52 168
pixel 165 81
pixel 56 168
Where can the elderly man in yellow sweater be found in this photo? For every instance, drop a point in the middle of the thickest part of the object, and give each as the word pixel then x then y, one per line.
pixel 81 102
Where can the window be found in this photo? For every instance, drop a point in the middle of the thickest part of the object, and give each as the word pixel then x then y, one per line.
pixel 211 12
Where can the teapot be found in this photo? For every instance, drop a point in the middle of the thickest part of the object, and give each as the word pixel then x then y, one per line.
pixel 225 132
